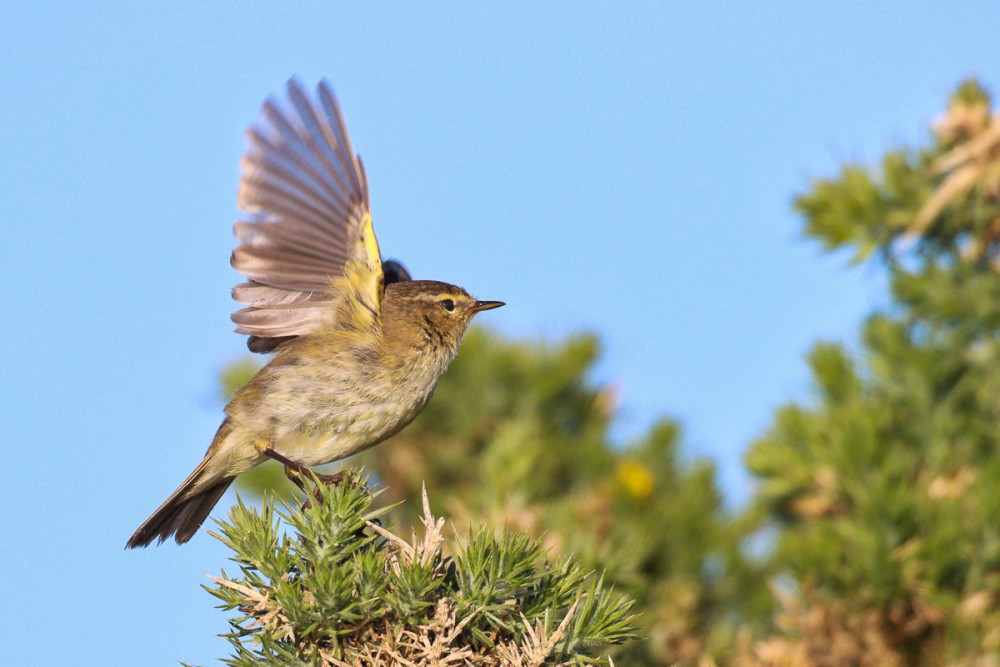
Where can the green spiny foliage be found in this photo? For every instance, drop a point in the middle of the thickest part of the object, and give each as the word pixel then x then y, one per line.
pixel 325 584
pixel 884 491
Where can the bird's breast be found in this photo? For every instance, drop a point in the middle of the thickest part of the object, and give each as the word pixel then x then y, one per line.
pixel 322 412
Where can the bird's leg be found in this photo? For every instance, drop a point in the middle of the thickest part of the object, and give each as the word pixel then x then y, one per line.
pixel 296 478
pixel 296 471
pixel 293 470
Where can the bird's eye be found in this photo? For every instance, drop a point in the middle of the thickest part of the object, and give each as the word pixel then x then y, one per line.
pixel 448 305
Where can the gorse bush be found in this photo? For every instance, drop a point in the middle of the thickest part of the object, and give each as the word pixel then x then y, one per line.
pixel 883 493
pixel 326 584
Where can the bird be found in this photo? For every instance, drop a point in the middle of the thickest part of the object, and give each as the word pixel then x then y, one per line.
pixel 358 345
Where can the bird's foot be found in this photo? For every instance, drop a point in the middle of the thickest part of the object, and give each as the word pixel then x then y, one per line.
pixel 330 480
pixel 318 479
pixel 297 473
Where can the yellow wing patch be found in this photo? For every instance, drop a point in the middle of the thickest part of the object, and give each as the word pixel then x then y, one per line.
pixel 372 254
pixel 359 290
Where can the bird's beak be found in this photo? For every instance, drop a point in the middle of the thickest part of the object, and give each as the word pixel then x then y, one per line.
pixel 480 306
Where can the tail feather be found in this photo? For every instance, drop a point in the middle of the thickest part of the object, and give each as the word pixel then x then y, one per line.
pixel 182 514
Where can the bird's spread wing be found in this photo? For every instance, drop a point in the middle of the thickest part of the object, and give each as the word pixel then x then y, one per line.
pixel 308 245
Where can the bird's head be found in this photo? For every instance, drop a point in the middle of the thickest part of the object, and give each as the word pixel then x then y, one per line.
pixel 422 313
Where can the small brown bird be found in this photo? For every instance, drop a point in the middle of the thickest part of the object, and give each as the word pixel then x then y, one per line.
pixel 359 347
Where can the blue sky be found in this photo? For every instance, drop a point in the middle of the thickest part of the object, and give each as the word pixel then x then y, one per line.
pixel 620 168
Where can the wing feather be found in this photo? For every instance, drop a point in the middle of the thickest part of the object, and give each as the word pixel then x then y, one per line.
pixel 300 171
pixel 271 322
pixel 290 236
pixel 255 294
pixel 307 246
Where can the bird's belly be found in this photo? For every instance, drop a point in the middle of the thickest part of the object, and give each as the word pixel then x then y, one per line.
pixel 311 450
pixel 326 436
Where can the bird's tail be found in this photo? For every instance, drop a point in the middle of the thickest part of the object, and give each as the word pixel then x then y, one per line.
pixel 182 514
